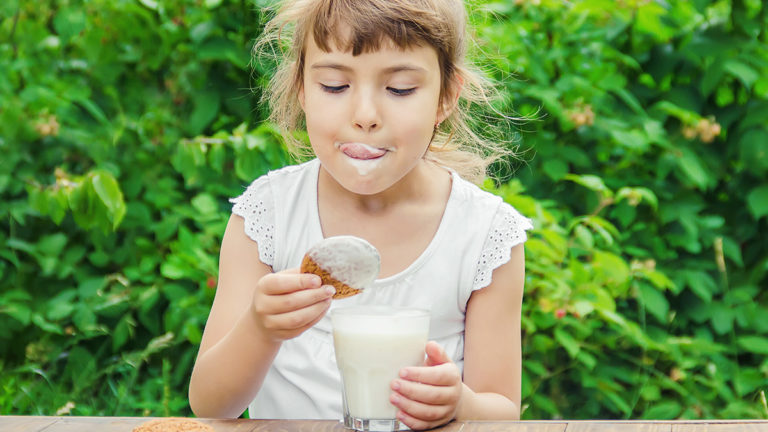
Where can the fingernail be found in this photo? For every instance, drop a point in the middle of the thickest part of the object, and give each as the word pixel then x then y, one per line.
pixel 313 281
pixel 330 290
pixel 395 385
pixel 403 373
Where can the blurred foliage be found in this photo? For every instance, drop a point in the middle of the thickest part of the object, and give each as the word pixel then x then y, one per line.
pixel 126 124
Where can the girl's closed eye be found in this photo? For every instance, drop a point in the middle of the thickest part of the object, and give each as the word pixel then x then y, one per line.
pixel 401 91
pixel 333 89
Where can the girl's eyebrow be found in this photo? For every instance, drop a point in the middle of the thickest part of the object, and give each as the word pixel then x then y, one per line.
pixel 388 70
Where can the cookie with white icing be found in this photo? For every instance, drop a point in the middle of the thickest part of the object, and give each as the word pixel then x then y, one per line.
pixel 348 263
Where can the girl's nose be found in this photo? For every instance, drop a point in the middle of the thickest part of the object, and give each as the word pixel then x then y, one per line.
pixel 366 114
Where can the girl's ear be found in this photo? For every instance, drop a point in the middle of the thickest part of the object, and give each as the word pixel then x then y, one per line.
pixel 451 98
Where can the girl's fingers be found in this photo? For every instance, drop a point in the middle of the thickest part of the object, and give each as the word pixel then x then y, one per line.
pixel 293 301
pixel 427 394
pixel 446 374
pixel 288 282
pixel 298 319
pixel 421 412
pixel 414 423
pixel 436 355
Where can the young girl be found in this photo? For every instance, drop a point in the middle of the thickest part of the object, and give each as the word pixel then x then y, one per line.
pixel 376 84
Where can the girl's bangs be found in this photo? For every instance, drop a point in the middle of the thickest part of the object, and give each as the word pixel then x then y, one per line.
pixel 358 30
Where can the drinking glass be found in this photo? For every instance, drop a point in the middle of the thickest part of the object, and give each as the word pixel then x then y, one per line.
pixel 372 344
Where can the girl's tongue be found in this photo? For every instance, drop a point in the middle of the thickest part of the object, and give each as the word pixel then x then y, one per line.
pixel 361 151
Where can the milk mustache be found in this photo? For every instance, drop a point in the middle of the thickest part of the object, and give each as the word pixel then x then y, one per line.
pixel 372 344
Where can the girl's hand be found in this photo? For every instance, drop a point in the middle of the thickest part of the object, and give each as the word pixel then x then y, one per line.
pixel 287 303
pixel 428 396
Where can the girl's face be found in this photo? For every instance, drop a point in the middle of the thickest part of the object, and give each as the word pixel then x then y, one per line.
pixel 370 117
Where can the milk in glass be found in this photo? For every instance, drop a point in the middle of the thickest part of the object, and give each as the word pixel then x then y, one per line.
pixel 372 345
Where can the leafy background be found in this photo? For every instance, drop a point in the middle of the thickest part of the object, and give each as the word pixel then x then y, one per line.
pixel 126 124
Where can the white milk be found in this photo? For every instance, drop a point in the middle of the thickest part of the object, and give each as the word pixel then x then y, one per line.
pixel 371 350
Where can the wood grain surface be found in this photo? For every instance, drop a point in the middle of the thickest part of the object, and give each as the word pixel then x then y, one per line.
pixel 127 424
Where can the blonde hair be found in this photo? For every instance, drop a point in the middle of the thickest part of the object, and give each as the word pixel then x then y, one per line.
pixel 440 24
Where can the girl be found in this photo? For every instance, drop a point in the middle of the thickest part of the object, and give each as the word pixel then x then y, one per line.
pixel 376 84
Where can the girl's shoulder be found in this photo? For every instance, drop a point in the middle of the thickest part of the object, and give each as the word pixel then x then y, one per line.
pixel 258 204
pixel 272 178
pixel 475 199
pixel 495 225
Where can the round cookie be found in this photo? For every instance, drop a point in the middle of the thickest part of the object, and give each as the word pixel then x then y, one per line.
pixel 174 424
pixel 349 263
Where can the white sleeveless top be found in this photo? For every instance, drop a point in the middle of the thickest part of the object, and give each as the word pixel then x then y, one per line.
pixel 475 236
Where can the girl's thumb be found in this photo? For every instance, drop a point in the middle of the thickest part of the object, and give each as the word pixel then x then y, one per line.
pixel 435 354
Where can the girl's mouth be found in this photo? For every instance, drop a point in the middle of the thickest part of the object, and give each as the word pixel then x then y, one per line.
pixel 361 151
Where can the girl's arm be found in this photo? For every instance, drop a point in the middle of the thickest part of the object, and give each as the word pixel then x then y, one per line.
pixel 430 396
pixel 253 312
pixel 492 349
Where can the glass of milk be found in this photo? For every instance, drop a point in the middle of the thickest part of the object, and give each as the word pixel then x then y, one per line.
pixel 372 344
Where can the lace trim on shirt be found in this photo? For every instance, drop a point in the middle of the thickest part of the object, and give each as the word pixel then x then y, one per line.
pixel 255 205
pixel 507 230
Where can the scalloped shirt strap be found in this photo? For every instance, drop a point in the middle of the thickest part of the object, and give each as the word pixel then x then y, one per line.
pixel 256 206
pixel 507 231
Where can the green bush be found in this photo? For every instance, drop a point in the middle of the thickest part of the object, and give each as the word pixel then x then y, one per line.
pixel 125 125
pixel 651 164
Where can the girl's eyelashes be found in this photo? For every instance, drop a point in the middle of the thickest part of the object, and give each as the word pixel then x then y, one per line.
pixel 333 89
pixel 401 92
pixel 393 90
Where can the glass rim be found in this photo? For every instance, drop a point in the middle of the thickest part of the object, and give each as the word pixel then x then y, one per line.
pixel 379 310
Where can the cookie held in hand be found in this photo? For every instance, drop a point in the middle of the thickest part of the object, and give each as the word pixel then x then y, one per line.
pixel 174 424
pixel 349 263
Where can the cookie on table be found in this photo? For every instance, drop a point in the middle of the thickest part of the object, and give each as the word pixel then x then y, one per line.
pixel 174 424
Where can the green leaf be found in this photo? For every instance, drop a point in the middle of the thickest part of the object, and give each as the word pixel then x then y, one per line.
pixel 205 204
pixel 108 191
pixel 219 48
pixel 69 22
pixel 754 344
pixel 591 182
pixel 701 284
pixel 611 270
pixel 17 311
pixel 567 341
pixel 722 318
pixel 664 410
pixel 633 139
pixel 654 301
pixel 617 401
pixel 150 4
pixel 174 268
pixel 753 150
pixel 742 71
pixel 587 359
pixel 46 326
pixel 122 332
pixel 757 201
pixel 693 169
pixel 52 244
pixel 249 164
pixel 60 306
pixel 207 104
pixel 555 168
pixel 217 156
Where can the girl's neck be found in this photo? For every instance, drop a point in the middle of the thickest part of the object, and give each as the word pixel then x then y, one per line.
pixel 400 222
pixel 424 183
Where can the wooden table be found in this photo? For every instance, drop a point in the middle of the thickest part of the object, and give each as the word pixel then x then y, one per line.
pixel 126 424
